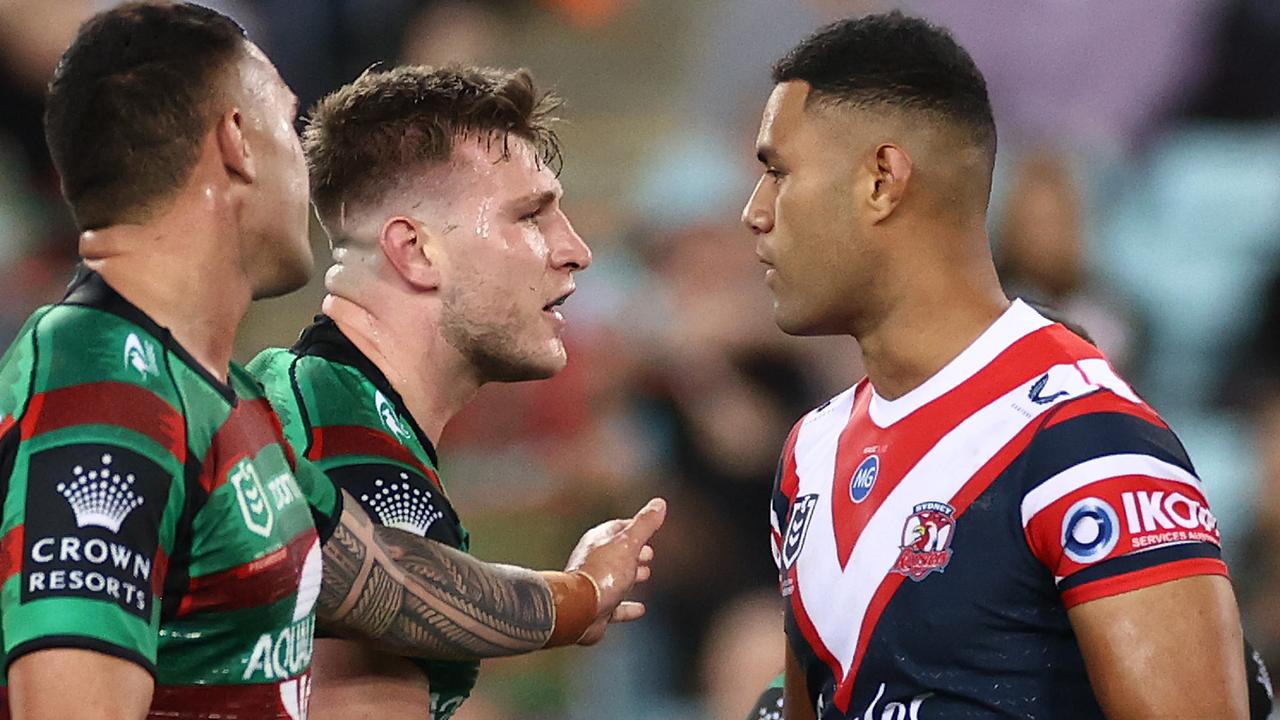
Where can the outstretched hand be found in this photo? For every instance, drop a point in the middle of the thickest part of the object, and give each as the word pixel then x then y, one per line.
pixel 616 555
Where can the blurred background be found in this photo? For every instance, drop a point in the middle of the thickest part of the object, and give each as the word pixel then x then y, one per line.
pixel 1138 192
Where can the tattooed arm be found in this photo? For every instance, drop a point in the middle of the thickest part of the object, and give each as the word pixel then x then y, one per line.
pixel 417 597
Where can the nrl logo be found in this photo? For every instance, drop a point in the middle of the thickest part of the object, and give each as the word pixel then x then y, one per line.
pixel 798 528
pixel 140 356
pixel 390 418
pixel 255 509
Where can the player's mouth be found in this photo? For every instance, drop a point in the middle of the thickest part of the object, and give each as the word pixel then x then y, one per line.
pixel 552 309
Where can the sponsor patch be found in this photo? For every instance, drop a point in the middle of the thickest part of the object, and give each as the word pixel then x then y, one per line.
pixel 797 528
pixel 1163 517
pixel 1090 530
pixel 398 498
pixel 926 541
pixel 864 478
pixel 92 525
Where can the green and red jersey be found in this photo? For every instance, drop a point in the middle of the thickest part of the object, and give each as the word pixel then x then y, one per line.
pixel 154 512
pixel 341 413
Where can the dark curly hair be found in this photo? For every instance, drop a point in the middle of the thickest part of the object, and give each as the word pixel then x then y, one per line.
pixel 894 60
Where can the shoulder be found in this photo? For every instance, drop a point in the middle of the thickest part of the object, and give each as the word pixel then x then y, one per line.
pixel 78 367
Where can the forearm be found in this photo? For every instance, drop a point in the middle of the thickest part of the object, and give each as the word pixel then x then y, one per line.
pixel 416 597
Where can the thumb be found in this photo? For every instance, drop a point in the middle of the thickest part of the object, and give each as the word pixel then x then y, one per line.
pixel 647 521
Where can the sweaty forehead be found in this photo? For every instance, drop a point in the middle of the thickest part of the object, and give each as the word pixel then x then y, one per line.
pixel 479 164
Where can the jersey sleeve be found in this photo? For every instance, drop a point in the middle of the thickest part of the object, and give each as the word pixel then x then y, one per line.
pixel 785 540
pixel 93 466
pixel 1112 503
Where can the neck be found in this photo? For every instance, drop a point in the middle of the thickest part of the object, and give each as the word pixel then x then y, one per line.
pixel 177 270
pixel 938 315
pixel 431 377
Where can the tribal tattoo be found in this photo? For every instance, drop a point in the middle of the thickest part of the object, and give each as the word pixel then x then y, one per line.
pixel 417 597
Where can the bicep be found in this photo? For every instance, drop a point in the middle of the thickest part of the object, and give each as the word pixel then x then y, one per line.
pixel 1169 650
pixel 106 687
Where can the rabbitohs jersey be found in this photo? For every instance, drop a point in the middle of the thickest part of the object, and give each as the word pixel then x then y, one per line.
pixel 152 512
pixel 340 411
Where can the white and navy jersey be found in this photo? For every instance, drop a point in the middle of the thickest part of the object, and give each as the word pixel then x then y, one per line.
pixel 930 546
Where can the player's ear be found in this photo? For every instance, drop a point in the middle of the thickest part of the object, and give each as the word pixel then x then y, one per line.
pixel 233 146
pixel 890 172
pixel 411 250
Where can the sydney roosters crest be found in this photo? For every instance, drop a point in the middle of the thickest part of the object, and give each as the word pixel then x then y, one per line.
pixel 926 540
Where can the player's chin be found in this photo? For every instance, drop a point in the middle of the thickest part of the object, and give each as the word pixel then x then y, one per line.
pixel 285 275
pixel 792 321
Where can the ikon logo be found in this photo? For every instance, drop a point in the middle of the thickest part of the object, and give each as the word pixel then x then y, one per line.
pixel 1147 511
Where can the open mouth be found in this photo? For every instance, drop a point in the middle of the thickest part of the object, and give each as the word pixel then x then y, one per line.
pixel 551 306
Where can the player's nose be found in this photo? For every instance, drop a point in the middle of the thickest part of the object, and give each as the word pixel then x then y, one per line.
pixel 758 213
pixel 570 250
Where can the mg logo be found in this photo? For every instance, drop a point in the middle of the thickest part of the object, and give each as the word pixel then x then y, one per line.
pixel 864 478
pixel 254 507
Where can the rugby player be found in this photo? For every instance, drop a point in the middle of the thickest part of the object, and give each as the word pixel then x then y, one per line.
pixel 452 254
pixel 991 524
pixel 160 540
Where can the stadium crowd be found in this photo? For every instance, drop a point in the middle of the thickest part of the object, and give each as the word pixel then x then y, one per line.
pixel 1138 193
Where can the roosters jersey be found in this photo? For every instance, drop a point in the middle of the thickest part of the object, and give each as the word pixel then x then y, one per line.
pixel 930 546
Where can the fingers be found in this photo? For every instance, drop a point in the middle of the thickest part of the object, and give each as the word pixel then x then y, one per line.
pixel 627 612
pixel 642 573
pixel 646 554
pixel 647 521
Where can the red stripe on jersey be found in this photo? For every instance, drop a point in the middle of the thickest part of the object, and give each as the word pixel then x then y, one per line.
pixel 256 583
pixel 11 553
pixel 160 570
pixel 249 428
pixel 6 424
pixel 107 403
pixel 917 434
pixel 1044 530
pixel 261 700
pixel 333 441
pixel 969 492
pixel 1146 577
pixel 1105 401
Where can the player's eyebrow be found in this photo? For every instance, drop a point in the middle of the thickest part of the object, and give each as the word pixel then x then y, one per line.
pixel 536 201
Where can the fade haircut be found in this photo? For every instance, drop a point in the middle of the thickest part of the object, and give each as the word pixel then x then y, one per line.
pixel 894 61
pixel 130 102
pixel 360 139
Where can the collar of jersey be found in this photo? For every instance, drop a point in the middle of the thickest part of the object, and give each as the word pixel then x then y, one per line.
pixel 1018 321
pixel 89 289
pixel 324 339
